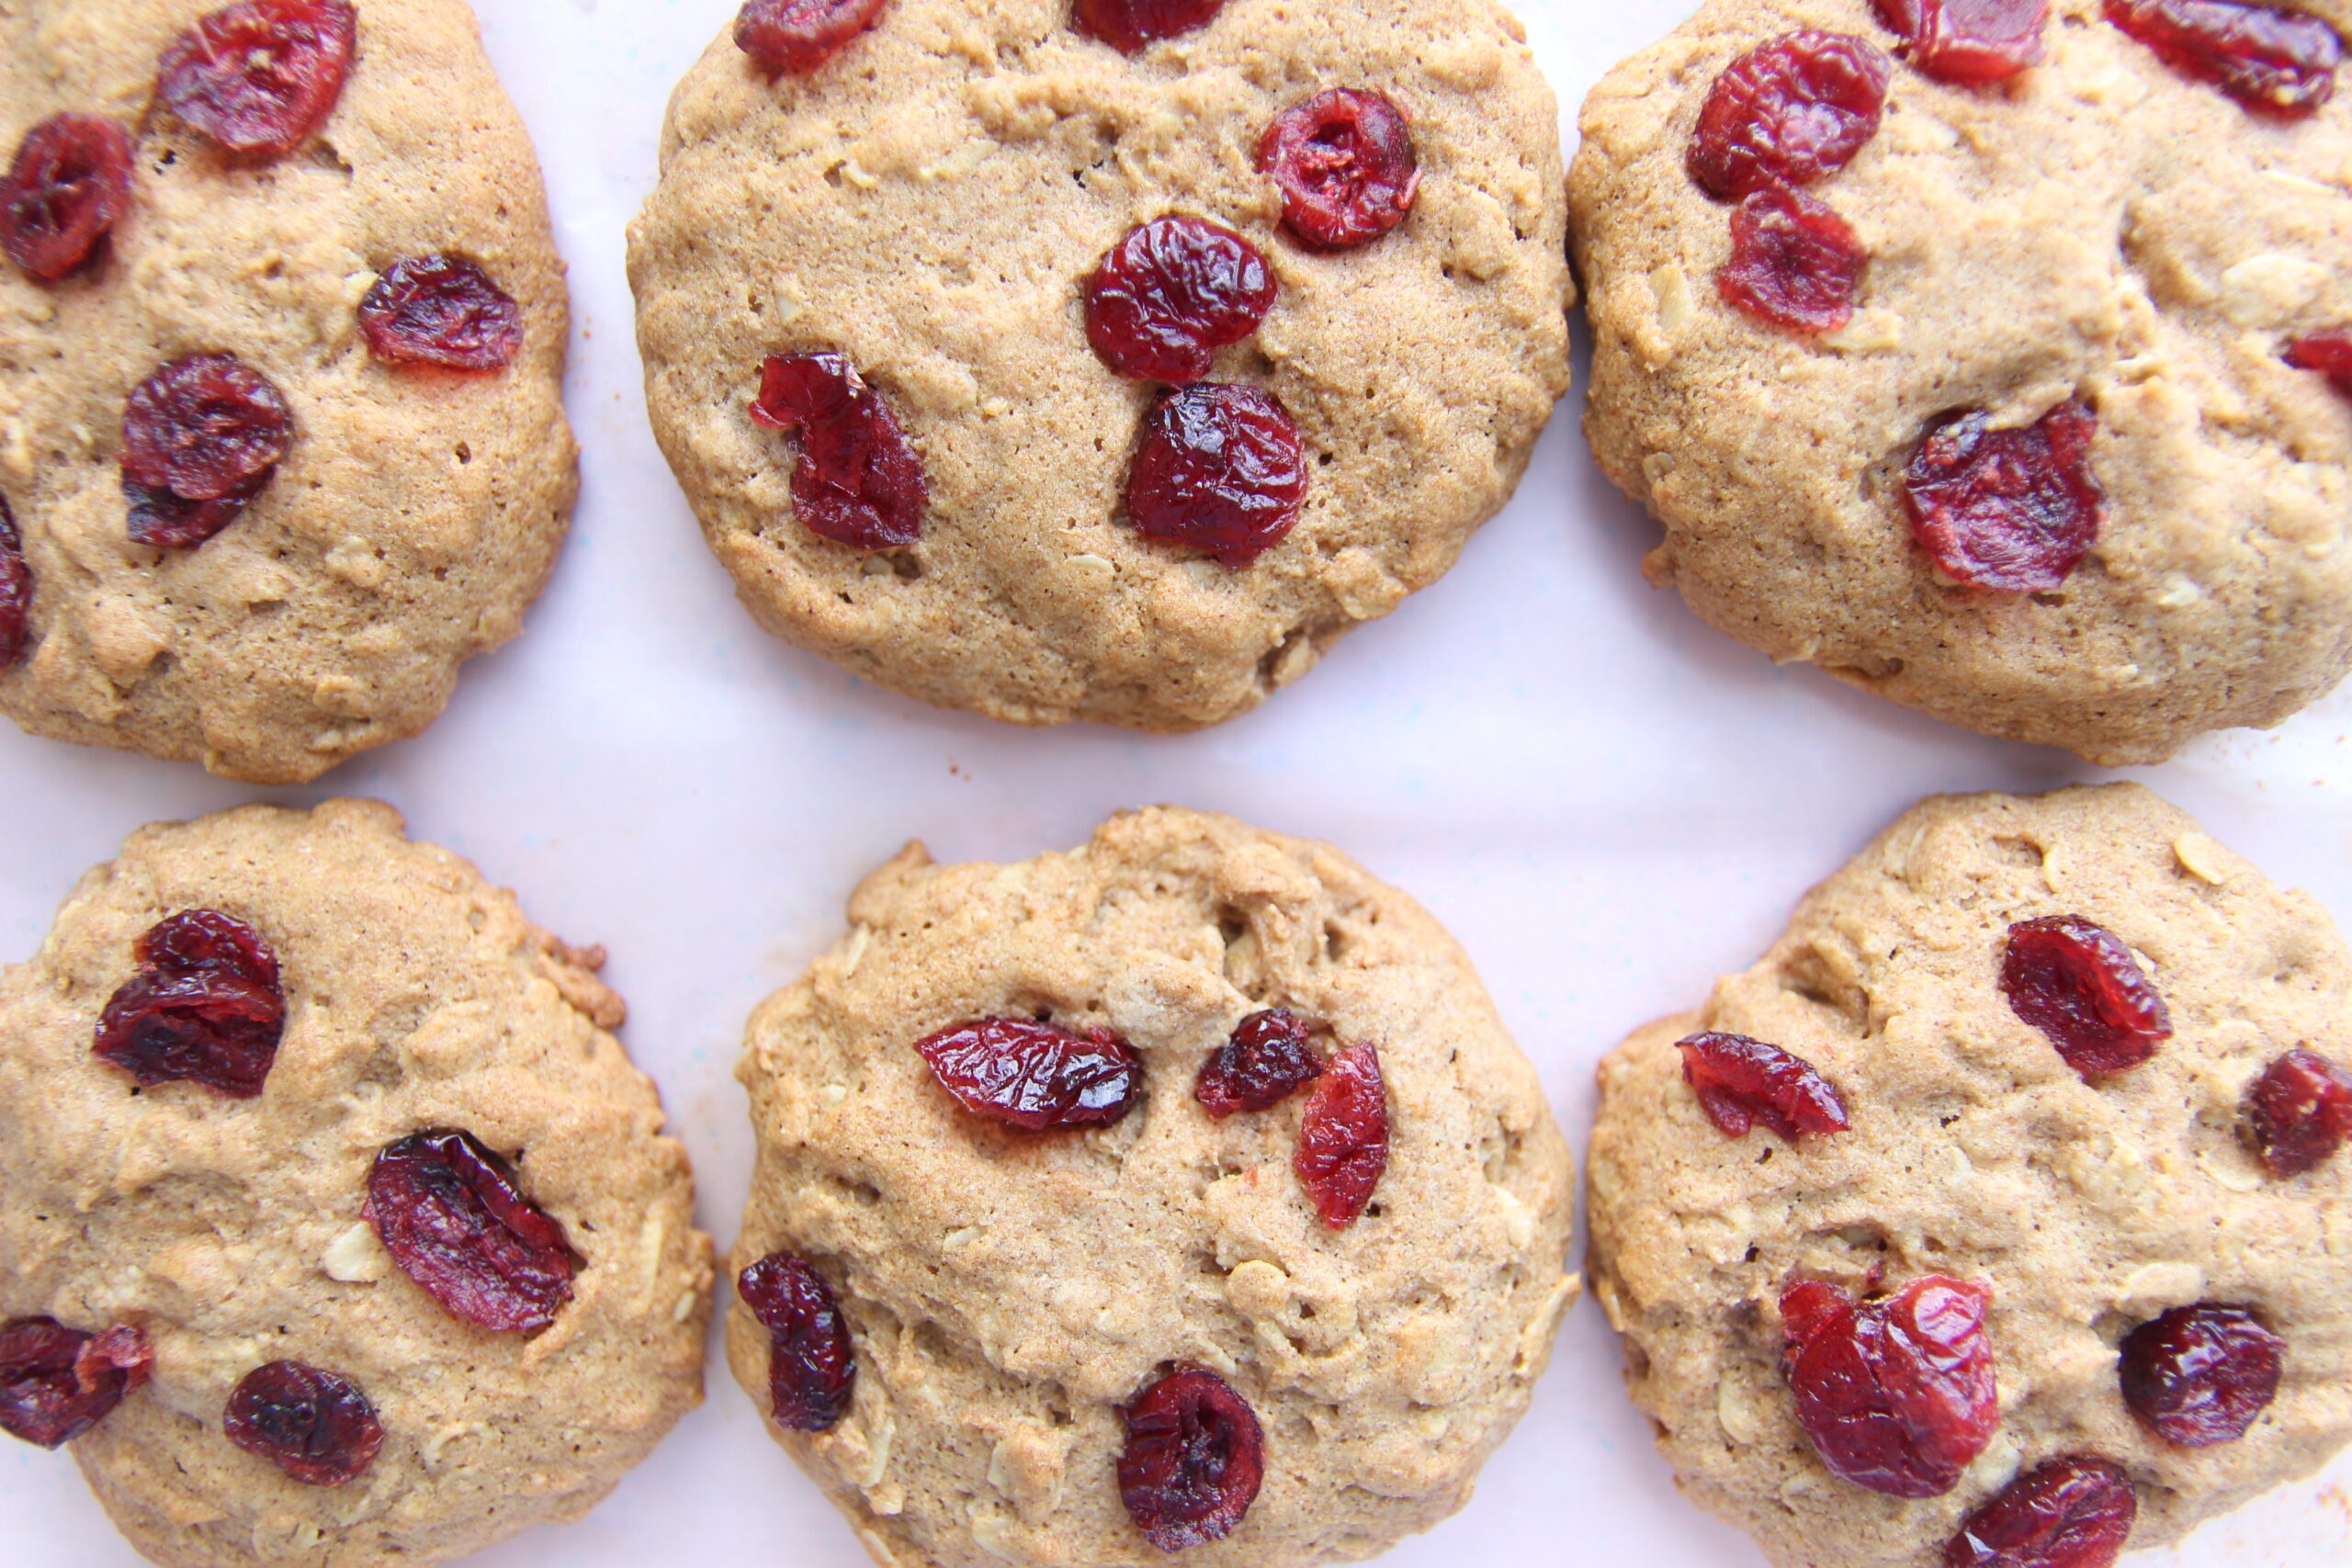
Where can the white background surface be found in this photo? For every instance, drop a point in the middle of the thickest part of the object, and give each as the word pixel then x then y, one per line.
pixel 1606 801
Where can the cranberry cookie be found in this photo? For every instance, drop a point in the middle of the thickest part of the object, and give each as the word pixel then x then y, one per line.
pixel 1180 1192
pixel 1105 362
pixel 338 1228
pixel 1995 357
pixel 281 333
pixel 1999 1215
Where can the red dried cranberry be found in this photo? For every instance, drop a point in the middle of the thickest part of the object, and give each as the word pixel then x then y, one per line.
pixel 1897 1394
pixel 798 36
pixel 2069 1513
pixel 441 310
pixel 1268 1058
pixel 204 427
pixel 1793 262
pixel 57 1383
pixel 2012 510
pixel 1969 41
pixel 2328 353
pixel 1344 163
pixel 2199 1375
pixel 1194 1458
pixel 1128 25
pixel 1032 1075
pixel 1740 1082
pixel 2080 986
pixel 312 1424
pixel 1220 468
pixel 69 184
pixel 204 1006
pixel 2274 61
pixel 858 479
pixel 451 1216
pixel 1787 112
pixel 2299 1111
pixel 1170 293
pixel 15 590
pixel 1343 1136
pixel 260 75
pixel 811 1367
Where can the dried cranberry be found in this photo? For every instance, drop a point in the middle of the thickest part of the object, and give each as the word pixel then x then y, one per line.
pixel 1740 1082
pixel 1897 1394
pixel 15 590
pixel 69 184
pixel 1128 25
pixel 204 427
pixel 1793 261
pixel 260 75
pixel 161 519
pixel 2080 986
pixel 1267 1059
pixel 441 310
pixel 2199 1375
pixel 1194 1458
pixel 1344 163
pixel 2012 510
pixel 204 1006
pixel 2299 1111
pixel 312 1424
pixel 1969 41
pixel 1171 292
pixel 2329 352
pixel 57 1383
pixel 2069 1513
pixel 1787 112
pixel 811 1367
pixel 451 1216
pixel 2274 61
pixel 798 36
pixel 1032 1075
pixel 858 479
pixel 1343 1136
pixel 1220 468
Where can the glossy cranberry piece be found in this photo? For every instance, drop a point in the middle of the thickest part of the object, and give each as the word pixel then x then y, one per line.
pixel 1787 112
pixel 69 183
pixel 2080 986
pixel 1128 25
pixel 260 75
pixel 15 590
pixel 1170 293
pixel 204 427
pixel 857 479
pixel 2299 1112
pixel 2010 511
pixel 795 37
pixel 2199 1375
pixel 1343 1136
pixel 812 1371
pixel 2330 354
pixel 1793 262
pixel 1031 1075
pixel 204 1007
pixel 1269 1057
pixel 312 1424
pixel 451 1216
pixel 2070 1513
pixel 1740 1082
pixel 1194 1458
pixel 1344 163
pixel 2274 61
pixel 1897 1394
pixel 1220 468
pixel 1968 40
pixel 441 310
pixel 57 1383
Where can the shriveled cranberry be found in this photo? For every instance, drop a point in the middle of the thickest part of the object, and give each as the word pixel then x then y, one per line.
pixel 2328 353
pixel 1740 1082
pixel 2274 61
pixel 1194 1459
pixel 2299 1111
pixel 1172 291
pixel 69 184
pixel 204 427
pixel 159 518
pixel 451 1216
pixel 312 1424
pixel 1968 40
pixel 858 479
pixel 2199 1375
pixel 1897 1394
pixel 260 75
pixel 15 590
pixel 1787 112
pixel 57 1383
pixel 796 37
pixel 1033 1075
pixel 441 310
pixel 2069 1513
pixel 1128 25
pixel 1269 1057
pixel 2012 510
pixel 1220 468
pixel 2080 986
pixel 1793 261
pixel 812 1371
pixel 1343 1136
pixel 1343 161
pixel 204 1006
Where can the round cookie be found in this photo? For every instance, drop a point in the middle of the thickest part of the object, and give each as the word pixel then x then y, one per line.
pixel 928 204
pixel 233 1233
pixel 2088 1205
pixel 417 509
pixel 2099 228
pixel 1009 1292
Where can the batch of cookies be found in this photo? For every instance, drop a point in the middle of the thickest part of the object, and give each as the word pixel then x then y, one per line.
pixel 1107 360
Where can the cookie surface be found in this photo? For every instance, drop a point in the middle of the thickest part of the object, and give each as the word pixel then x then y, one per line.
pixel 417 510
pixel 2098 228
pixel 1009 1292
pixel 2089 1206
pixel 229 1231
pixel 928 203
